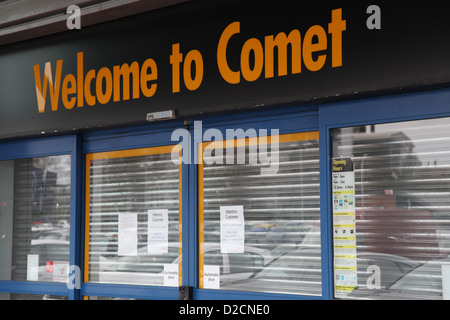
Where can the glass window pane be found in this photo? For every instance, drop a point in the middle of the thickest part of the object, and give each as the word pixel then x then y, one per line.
pixel 402 204
pixel 279 230
pixel 34 219
pixel 134 217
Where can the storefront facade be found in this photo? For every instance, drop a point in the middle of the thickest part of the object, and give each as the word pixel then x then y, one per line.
pixel 215 150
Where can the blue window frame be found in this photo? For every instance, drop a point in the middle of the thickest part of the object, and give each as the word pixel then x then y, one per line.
pixel 323 118
pixel 142 137
pixel 286 121
pixel 385 109
pixel 43 147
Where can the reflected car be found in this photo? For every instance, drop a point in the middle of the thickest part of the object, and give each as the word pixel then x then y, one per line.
pixel 148 269
pixel 140 269
pixel 296 272
pixel 409 233
pixel 425 282
pixel 236 266
pixel 53 235
pixel 299 272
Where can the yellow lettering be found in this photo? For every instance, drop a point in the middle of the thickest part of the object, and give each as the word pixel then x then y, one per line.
pixel 90 99
pixel 175 59
pixel 124 72
pixel 281 41
pixel 41 87
pixel 41 90
pixel 336 27
pixel 104 84
pixel 80 87
pixel 69 87
pixel 249 73
pixel 256 56
pixel 122 82
pixel 309 47
pixel 146 77
pixel 193 56
pixel 228 75
pixel 104 96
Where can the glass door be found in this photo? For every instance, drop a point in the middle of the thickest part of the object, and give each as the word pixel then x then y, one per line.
pixel 133 217
pixel 38 218
pixel 259 220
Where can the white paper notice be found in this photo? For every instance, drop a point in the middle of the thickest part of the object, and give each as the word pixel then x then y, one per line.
pixel 211 277
pixel 158 231
pixel 344 227
pixel 171 275
pixel 60 271
pixel 127 234
pixel 445 282
pixel 33 267
pixel 232 229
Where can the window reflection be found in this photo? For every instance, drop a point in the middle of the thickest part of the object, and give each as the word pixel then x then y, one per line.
pixel 402 205
pixel 281 212
pixel 134 217
pixel 35 218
